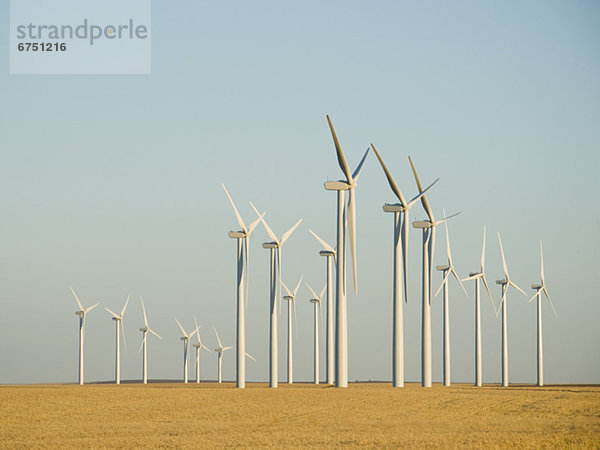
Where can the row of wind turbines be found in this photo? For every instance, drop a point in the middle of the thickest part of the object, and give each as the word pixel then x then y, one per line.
pixel 336 346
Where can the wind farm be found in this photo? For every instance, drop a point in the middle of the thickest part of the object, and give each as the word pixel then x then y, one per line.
pixel 328 219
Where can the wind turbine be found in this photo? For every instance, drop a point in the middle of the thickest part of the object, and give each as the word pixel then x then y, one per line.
pixel 118 318
pixel 401 220
pixel 428 227
pixel 479 276
pixel 505 283
pixel 220 351
pixel 186 339
pixel 275 249
pixel 446 271
pixel 243 238
pixel 344 214
pixel 329 253
pixel 291 298
pixel 539 288
pixel 145 330
pixel 81 313
pixel 198 346
pixel 316 300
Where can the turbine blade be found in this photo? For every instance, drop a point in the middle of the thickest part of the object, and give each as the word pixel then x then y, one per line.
pixel 311 290
pixel 218 338
pixel 81 308
pixel 503 259
pixel 448 252
pixel 445 219
pixel 154 333
pixel 125 307
pixel 483 252
pixel 542 264
pixel 340 154
pixel 418 197
pixel 325 245
pixel 550 301
pixel 123 332
pixel 206 348
pixel 487 288
pixel 356 173
pixel 112 313
pixel 237 214
pixel 144 310
pixel 254 224
pixel 143 341
pixel 444 281
pixel 265 224
pixel 286 289
pixel 181 328
pixel 390 179
pixel 295 318
pixel 251 357
pixel 227 348
pixel 470 278
pixel 298 285
pixel 352 236
pixel 517 288
pixel 322 292
pixel 197 328
pixel 502 300
pixel 404 236
pixel 459 281
pixel 91 307
pixel 424 201
pixel 246 269
pixel 289 232
pixel 534 296
pixel 279 275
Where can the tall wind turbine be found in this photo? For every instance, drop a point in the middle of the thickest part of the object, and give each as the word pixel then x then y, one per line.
pixel 81 313
pixel 446 271
pixel 220 349
pixel 118 318
pixel 275 250
pixel 479 276
pixel 145 331
pixel 505 283
pixel 539 288
pixel 316 300
pixel 428 227
pixel 329 253
pixel 198 346
pixel 186 340
pixel 401 220
pixel 243 240
pixel 291 298
pixel 344 214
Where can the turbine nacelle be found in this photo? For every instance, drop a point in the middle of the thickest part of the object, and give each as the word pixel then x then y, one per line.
pixel 338 185
pixel 394 208
pixel 237 234
pixel 326 253
pixel 315 300
pixel 80 313
pixel 474 274
pixel 422 224
pixel 444 267
pixel 503 281
pixel 270 245
pixel 144 329
pixel 288 297
pixel 536 287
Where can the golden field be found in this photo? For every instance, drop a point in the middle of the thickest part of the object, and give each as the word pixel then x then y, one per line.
pixel 302 415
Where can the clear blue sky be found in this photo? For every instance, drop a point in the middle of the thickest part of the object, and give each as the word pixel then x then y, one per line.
pixel 111 184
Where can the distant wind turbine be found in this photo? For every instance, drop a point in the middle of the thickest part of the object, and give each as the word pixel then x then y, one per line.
pixel 275 280
pixel 243 241
pixel 316 300
pixel 401 220
pixel 344 215
pixel 220 349
pixel 186 340
pixel 539 288
pixel 118 318
pixel 145 331
pixel 291 298
pixel 198 346
pixel 81 313
pixel 446 271
pixel 428 227
pixel 329 253
pixel 505 283
pixel 479 276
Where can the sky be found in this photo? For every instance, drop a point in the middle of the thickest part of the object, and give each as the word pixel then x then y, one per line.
pixel 111 183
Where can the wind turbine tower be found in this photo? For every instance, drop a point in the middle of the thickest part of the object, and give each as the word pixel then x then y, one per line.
pixel 316 300
pixel 186 340
pixel 81 313
pixel 145 331
pixel 118 318
pixel 291 298
pixel 198 346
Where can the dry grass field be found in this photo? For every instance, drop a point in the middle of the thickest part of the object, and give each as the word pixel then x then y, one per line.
pixel 302 415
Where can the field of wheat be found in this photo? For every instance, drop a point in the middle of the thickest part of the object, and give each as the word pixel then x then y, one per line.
pixel 370 414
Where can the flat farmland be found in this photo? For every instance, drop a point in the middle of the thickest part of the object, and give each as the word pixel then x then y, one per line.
pixel 301 415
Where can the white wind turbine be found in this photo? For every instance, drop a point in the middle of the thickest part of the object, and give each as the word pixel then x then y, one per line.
pixel 220 349
pixel 344 215
pixel 539 288
pixel 429 228
pixel 316 300
pixel 401 220
pixel 505 283
pixel 243 241
pixel 145 331
pixel 198 346
pixel 118 318
pixel 446 271
pixel 291 298
pixel 81 313
pixel 479 276
pixel 329 253
pixel 275 269
pixel 186 340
